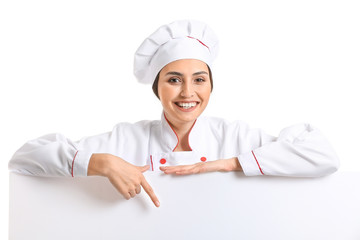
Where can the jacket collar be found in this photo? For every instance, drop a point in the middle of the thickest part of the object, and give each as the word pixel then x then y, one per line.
pixel 170 138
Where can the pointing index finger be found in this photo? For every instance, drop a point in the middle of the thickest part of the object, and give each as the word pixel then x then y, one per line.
pixel 148 189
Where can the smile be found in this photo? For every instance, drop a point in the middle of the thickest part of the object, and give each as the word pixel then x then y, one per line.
pixel 186 105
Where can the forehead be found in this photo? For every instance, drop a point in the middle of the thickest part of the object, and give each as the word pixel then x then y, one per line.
pixel 185 66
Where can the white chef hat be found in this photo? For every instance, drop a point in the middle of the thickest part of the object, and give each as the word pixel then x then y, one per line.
pixel 185 39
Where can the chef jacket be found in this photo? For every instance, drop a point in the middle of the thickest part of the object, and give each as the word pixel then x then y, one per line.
pixel 299 151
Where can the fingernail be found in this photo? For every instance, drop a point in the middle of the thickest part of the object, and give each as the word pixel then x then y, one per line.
pixel 157 204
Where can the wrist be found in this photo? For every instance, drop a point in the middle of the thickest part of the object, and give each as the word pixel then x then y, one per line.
pixel 231 164
pixel 99 164
pixel 237 165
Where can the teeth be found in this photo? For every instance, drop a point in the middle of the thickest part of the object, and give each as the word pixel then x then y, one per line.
pixel 187 105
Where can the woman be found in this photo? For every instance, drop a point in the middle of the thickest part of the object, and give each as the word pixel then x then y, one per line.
pixel 177 60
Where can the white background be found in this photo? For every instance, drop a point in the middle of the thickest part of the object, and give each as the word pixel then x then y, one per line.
pixel 66 66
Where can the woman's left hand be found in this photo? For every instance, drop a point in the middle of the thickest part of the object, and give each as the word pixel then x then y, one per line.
pixel 222 165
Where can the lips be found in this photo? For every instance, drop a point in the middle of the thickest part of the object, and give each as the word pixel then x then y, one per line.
pixel 186 106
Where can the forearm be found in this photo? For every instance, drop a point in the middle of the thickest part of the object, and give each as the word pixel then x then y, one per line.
pixel 50 155
pixel 231 164
pixel 299 151
pixel 99 164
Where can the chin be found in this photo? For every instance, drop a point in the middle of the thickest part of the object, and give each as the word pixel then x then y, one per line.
pixel 188 117
pixel 184 114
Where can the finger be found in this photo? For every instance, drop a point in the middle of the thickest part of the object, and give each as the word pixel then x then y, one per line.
pixel 183 173
pixel 167 167
pixel 132 193
pixel 184 169
pixel 148 189
pixel 127 196
pixel 144 168
pixel 173 169
pixel 198 168
pixel 170 171
pixel 120 189
pixel 138 189
pixel 187 171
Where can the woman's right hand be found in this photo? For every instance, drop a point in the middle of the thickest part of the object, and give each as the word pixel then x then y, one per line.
pixel 124 176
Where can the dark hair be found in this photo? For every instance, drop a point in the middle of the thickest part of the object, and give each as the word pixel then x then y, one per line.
pixel 156 83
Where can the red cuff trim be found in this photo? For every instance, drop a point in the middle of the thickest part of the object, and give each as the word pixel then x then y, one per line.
pixel 152 165
pixel 257 163
pixel 72 167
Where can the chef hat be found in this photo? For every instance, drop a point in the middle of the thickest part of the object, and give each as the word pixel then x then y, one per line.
pixel 185 39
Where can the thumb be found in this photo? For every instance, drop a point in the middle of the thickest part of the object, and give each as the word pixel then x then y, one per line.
pixel 144 168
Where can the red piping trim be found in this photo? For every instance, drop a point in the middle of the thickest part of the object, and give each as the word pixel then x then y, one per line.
pixel 177 135
pixel 72 166
pixel 152 165
pixel 173 131
pixel 199 41
pixel 257 163
pixel 189 134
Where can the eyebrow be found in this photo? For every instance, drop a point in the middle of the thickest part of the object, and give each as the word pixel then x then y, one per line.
pixel 180 74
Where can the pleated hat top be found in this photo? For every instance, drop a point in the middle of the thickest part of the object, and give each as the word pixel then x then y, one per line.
pixel 185 39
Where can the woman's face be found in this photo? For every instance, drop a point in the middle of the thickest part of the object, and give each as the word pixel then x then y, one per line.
pixel 184 90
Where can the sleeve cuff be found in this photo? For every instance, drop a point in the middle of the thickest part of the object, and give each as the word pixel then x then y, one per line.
pixel 250 164
pixel 80 163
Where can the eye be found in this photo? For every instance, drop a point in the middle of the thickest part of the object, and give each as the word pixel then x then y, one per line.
pixel 174 80
pixel 199 80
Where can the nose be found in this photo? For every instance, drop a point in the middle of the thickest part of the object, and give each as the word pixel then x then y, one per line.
pixel 187 90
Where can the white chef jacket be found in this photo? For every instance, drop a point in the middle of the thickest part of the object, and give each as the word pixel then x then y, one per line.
pixel 299 150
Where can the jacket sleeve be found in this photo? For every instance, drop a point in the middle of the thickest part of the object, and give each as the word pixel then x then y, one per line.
pixel 55 155
pixel 299 151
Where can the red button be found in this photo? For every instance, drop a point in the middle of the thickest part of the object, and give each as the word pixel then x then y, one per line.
pixel 203 159
pixel 163 161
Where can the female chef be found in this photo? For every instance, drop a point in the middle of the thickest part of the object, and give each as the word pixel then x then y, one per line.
pixel 177 60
